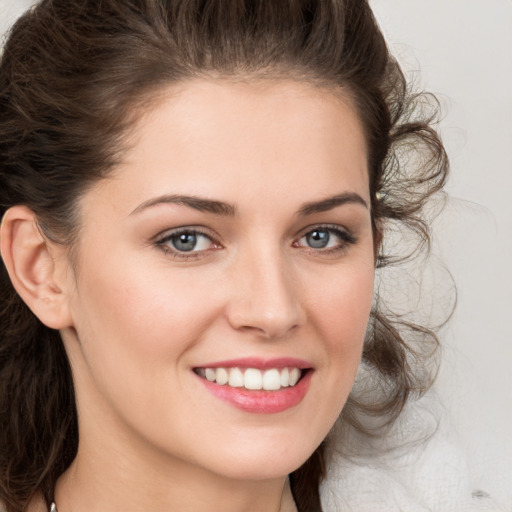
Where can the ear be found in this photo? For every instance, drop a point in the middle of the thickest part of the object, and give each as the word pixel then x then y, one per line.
pixel 37 267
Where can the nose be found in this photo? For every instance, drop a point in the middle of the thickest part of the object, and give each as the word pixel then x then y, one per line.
pixel 265 297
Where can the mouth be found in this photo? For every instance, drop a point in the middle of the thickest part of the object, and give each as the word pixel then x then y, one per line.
pixel 258 386
pixel 253 379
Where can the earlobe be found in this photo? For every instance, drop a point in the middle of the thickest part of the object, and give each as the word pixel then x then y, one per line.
pixel 32 264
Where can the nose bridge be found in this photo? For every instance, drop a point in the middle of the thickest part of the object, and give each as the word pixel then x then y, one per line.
pixel 265 297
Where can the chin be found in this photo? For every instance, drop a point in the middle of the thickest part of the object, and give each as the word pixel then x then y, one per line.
pixel 265 462
pixel 268 470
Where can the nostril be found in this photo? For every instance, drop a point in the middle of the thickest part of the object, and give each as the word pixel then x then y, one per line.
pixel 269 331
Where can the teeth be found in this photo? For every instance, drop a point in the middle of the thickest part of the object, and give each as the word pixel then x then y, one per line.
pixel 221 376
pixel 271 380
pixel 294 376
pixel 285 377
pixel 236 378
pixel 251 378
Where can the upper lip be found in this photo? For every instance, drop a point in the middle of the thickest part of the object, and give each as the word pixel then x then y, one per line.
pixel 260 363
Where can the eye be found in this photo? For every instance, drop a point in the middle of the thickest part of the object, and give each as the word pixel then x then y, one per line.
pixel 318 239
pixel 330 238
pixel 186 241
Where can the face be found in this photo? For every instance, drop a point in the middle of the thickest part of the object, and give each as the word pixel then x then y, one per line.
pixel 234 243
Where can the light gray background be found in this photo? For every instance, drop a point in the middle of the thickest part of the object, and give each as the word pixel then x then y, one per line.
pixel 463 50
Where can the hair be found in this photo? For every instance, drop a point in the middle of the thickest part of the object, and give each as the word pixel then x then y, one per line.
pixel 74 76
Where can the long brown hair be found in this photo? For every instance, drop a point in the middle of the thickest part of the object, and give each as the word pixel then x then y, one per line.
pixel 72 74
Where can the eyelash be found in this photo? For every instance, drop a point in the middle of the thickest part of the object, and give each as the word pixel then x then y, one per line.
pixel 347 239
pixel 164 241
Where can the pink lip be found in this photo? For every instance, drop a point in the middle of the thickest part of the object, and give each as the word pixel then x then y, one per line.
pixel 259 363
pixel 260 401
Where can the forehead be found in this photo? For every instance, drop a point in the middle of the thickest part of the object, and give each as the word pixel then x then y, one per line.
pixel 238 139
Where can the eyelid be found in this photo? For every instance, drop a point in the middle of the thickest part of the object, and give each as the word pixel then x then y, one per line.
pixel 347 237
pixel 328 227
pixel 165 236
pixel 167 233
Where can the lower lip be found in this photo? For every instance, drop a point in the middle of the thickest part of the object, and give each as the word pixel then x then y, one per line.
pixel 261 402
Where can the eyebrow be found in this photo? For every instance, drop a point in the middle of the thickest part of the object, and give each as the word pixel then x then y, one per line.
pixel 229 210
pixel 197 203
pixel 332 202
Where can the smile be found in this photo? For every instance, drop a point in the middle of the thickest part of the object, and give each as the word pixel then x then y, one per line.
pixel 258 386
pixel 271 379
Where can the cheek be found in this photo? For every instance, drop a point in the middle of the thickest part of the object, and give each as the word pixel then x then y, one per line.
pixel 128 312
pixel 340 315
pixel 136 325
pixel 343 307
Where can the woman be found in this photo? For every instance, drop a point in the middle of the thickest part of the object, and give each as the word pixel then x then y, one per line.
pixel 195 196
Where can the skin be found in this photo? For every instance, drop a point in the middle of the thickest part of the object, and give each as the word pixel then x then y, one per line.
pixel 136 316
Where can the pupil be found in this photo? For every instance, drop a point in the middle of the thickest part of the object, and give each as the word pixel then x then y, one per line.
pixel 184 241
pixel 318 239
